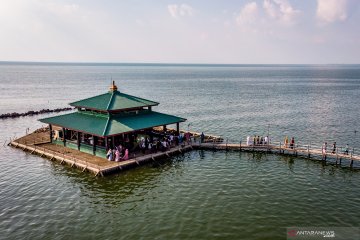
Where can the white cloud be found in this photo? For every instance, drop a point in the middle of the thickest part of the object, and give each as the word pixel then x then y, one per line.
pixel 181 10
pixel 248 14
pixel 280 10
pixel 329 11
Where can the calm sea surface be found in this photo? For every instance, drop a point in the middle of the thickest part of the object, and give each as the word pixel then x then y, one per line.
pixel 201 194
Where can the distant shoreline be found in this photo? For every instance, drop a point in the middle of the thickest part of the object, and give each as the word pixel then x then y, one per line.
pixel 163 64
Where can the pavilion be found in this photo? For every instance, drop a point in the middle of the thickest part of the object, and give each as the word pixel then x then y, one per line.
pixel 106 120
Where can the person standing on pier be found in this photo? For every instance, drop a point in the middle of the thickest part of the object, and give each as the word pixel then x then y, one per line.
pixel 110 154
pixel 248 140
pixel 202 137
pixel 188 137
pixel 334 148
pixel 117 155
pixel 346 152
pixel 286 141
pixel 292 143
pixel 126 156
pixel 324 147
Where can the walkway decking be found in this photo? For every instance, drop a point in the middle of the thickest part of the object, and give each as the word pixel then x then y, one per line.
pixel 38 143
pixel 314 153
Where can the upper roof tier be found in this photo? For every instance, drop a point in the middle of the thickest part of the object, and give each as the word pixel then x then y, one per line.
pixel 113 101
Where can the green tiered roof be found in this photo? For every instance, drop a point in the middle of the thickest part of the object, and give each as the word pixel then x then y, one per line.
pixel 117 113
pixel 113 101
pixel 106 125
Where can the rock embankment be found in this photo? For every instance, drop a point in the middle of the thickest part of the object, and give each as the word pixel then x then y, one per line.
pixel 31 113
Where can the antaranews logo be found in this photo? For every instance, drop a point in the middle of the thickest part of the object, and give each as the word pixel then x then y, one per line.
pixel 292 233
pixel 309 233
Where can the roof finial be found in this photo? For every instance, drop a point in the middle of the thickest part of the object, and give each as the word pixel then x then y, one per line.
pixel 113 87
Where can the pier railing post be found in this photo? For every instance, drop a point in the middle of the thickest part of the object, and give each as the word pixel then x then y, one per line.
pixel 280 147
pixel 308 148
pixel 337 156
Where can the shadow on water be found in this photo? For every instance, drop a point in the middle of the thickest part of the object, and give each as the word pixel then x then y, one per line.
pixel 290 161
pixel 201 154
pixel 115 188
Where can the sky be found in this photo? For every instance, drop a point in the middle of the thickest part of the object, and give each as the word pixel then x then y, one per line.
pixel 217 31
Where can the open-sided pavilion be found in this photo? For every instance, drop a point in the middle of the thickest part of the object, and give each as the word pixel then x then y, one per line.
pixel 107 120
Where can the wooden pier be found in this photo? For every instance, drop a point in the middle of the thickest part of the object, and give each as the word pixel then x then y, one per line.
pixel 39 143
pixel 304 151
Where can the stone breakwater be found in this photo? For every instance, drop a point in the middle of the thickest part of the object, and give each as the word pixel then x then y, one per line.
pixel 31 113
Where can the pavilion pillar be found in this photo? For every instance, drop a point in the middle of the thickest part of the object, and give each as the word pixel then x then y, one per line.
pixel 164 128
pixel 94 144
pixel 64 138
pixel 177 129
pixel 106 143
pixel 78 140
pixel 113 142
pixel 51 133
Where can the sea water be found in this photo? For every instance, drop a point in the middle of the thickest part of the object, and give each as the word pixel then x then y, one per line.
pixel 201 194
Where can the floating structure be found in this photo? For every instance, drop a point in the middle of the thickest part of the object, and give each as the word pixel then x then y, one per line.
pixel 108 120
pixel 38 143
pixel 82 138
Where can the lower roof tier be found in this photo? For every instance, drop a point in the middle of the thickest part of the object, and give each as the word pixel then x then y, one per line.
pixel 103 125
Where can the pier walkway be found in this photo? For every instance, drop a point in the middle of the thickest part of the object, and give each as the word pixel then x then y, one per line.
pixel 39 143
pixel 306 151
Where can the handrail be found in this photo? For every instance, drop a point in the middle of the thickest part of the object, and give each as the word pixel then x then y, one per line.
pixel 299 146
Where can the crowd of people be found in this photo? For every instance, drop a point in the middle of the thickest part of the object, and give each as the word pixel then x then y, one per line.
pixel 291 144
pixel 345 150
pixel 257 140
pixel 145 145
pixel 119 153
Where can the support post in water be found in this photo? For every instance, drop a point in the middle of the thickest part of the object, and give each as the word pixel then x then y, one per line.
pixel 337 156
pixel 308 148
